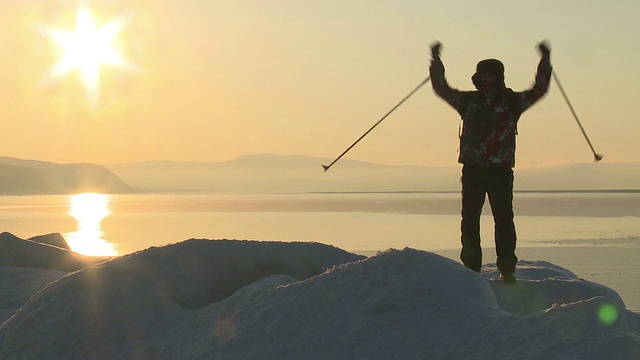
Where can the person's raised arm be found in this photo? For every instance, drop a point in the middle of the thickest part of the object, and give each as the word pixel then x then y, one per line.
pixel 542 79
pixel 543 75
pixel 436 69
pixel 438 80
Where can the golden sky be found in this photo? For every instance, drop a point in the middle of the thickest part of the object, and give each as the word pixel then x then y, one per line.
pixel 212 80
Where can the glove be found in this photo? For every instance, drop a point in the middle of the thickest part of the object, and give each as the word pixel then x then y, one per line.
pixel 435 49
pixel 543 48
pixel 436 66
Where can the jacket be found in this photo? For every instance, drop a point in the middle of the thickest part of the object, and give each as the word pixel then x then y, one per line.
pixel 490 117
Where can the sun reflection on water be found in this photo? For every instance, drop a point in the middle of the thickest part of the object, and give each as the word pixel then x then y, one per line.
pixel 89 209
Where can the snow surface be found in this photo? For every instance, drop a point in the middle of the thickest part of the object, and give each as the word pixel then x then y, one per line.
pixel 228 299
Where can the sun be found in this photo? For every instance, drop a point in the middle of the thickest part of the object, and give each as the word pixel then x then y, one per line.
pixel 88 48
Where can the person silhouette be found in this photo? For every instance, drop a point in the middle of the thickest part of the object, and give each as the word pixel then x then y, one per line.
pixel 490 116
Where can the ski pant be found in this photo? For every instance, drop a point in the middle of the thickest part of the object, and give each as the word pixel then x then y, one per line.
pixel 497 183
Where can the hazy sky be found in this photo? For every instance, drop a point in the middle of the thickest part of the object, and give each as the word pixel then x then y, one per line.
pixel 210 80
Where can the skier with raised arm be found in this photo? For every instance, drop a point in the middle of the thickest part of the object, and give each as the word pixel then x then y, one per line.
pixel 490 116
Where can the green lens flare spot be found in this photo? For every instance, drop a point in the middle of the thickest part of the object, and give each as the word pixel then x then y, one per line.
pixel 608 314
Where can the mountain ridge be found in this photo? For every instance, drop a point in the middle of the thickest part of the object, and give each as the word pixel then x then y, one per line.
pixel 303 173
pixel 273 173
pixel 276 173
pixel 29 177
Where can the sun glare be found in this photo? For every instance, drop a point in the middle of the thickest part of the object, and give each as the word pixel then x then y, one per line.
pixel 88 48
pixel 89 209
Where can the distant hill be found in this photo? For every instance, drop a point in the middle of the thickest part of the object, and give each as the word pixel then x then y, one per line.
pixel 271 173
pixel 586 176
pixel 27 177
pixel 267 173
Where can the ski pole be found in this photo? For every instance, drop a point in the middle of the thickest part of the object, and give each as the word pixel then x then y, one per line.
pixel 597 156
pixel 327 167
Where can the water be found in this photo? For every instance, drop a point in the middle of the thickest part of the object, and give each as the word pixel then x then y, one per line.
pixel 354 222
pixel 595 235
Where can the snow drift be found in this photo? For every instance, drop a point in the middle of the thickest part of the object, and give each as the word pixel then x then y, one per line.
pixel 271 300
pixel 49 251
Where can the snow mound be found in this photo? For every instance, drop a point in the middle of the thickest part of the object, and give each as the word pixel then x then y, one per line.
pixel 264 300
pixel 43 252
pixel 17 285
pixel 541 285
pixel 196 273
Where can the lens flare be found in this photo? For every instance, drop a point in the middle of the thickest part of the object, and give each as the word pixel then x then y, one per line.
pixel 608 314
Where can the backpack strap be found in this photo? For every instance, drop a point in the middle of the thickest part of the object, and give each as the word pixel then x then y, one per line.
pixel 514 105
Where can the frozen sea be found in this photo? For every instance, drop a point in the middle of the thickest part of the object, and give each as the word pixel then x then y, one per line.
pixel 594 234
